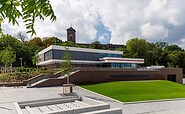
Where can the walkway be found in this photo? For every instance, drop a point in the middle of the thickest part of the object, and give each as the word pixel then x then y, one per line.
pixel 10 95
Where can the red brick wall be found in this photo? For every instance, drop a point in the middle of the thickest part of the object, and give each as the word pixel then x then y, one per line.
pixel 85 76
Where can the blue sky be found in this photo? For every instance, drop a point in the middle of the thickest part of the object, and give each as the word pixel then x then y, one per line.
pixel 113 21
pixel 103 34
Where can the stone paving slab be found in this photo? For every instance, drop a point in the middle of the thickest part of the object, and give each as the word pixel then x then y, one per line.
pixel 7 108
pixel 10 95
pixel 28 94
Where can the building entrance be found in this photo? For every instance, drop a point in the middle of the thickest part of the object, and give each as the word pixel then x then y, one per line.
pixel 172 78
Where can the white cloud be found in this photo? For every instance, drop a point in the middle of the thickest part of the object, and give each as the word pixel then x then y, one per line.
pixel 154 32
pixel 103 38
pixel 154 19
pixel 181 43
pixel 121 17
pixel 165 11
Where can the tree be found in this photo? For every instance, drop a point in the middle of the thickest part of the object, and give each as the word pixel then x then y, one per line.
pixel 22 50
pixel 51 41
pixel 137 47
pixel 173 48
pixel 27 10
pixel 36 41
pixel 69 43
pixel 161 44
pixel 96 45
pixel 7 56
pixel 22 36
pixel 66 65
pixel 8 40
pixel 35 59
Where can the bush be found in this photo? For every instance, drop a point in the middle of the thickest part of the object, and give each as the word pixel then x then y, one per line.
pixel 23 73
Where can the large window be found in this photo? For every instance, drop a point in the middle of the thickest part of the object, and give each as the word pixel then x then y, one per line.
pixel 48 55
pixel 122 65
pixel 77 55
pixel 102 55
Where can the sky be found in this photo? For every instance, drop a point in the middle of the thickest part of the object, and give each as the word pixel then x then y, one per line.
pixel 113 21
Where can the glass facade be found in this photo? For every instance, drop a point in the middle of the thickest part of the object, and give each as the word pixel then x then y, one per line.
pixel 48 55
pixel 77 55
pixel 102 55
pixel 120 65
pixel 88 56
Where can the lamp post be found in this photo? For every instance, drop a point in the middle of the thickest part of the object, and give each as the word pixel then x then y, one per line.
pixel 21 61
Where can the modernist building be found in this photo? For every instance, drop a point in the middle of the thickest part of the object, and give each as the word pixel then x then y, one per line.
pixel 52 57
pixel 95 65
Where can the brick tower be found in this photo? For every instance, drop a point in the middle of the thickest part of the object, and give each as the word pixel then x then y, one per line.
pixel 71 34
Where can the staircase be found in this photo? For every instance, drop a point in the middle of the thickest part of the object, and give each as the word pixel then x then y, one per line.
pixel 44 78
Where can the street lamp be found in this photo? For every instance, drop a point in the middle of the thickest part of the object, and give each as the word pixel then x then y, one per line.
pixel 21 61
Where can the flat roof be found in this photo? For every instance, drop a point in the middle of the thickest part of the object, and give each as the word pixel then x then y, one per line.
pixel 122 60
pixel 101 60
pixel 79 49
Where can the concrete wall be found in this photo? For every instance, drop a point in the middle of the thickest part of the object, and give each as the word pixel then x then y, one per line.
pixel 12 84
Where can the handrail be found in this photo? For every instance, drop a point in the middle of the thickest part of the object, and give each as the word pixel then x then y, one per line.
pixel 37 78
pixel 43 76
pixel 116 69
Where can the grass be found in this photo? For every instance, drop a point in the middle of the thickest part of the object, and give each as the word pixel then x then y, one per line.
pixel 139 90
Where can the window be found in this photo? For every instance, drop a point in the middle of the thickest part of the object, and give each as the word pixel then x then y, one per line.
pixel 48 55
pixel 102 55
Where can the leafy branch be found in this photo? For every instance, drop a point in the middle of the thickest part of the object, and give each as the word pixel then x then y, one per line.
pixel 28 10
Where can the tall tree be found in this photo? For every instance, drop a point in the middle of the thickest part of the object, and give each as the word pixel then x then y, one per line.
pixel 66 65
pixel 36 41
pixel 137 47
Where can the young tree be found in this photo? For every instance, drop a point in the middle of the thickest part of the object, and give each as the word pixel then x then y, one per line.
pixel 66 65
pixel 35 59
pixel 7 56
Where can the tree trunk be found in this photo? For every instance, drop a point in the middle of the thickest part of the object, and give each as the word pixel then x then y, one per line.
pixel 37 68
pixel 5 69
pixel 68 79
pixel 11 68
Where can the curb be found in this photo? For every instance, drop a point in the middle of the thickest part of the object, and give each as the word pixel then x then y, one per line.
pixel 101 95
pixel 150 101
pixel 136 102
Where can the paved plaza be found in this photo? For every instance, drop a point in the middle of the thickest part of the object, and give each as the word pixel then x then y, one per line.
pixel 10 95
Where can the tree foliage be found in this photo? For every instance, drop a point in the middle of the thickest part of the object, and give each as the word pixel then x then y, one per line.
pixel 27 10
pixel 96 45
pixel 22 36
pixel 8 56
pixel 51 41
pixel 159 53
pixel 36 41
pixel 66 65
pixel 137 47
pixel 35 58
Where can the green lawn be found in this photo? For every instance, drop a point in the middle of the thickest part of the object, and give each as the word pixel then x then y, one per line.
pixel 139 90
